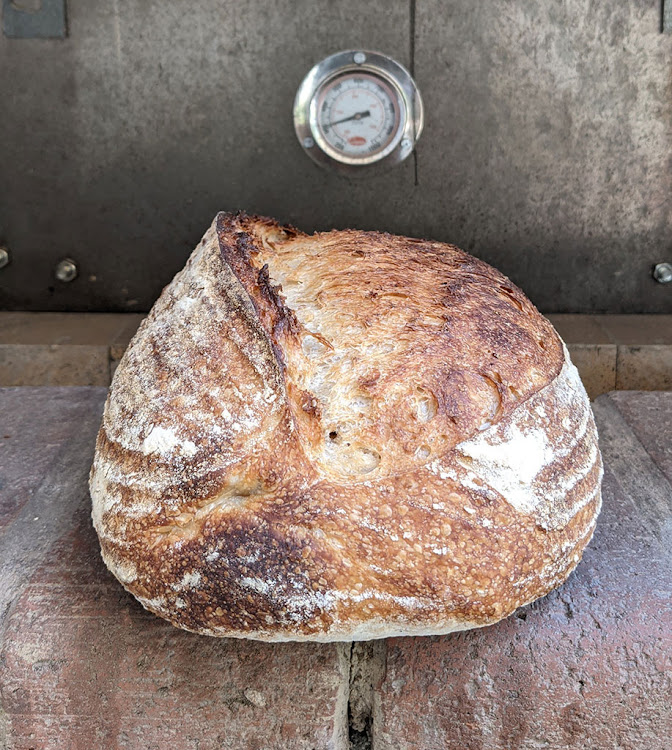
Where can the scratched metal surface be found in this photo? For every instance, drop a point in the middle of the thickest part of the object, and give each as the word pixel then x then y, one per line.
pixel 547 147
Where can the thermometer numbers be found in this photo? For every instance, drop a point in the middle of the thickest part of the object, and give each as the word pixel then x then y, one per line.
pixel 358 115
pixel 358 111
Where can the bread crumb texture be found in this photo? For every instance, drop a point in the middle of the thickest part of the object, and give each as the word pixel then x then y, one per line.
pixel 342 436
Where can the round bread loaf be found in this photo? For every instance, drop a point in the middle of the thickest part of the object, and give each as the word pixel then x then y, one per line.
pixel 342 436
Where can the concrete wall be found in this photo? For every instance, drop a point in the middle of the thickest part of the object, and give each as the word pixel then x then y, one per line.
pixel 547 149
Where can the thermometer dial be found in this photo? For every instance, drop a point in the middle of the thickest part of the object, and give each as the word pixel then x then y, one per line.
pixel 359 115
pixel 356 110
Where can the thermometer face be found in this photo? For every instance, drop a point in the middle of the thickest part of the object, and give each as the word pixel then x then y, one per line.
pixel 358 112
pixel 358 116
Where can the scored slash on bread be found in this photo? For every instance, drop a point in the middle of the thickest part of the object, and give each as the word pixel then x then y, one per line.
pixel 342 436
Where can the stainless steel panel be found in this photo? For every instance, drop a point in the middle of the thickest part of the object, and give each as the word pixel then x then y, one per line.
pixel 547 148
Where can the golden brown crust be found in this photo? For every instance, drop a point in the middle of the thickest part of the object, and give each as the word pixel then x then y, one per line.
pixel 345 435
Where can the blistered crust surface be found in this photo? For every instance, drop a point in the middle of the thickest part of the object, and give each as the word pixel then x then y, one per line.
pixel 347 435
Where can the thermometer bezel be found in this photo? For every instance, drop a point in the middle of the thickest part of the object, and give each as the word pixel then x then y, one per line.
pixel 344 64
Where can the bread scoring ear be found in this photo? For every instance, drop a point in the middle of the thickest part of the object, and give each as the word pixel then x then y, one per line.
pixel 338 436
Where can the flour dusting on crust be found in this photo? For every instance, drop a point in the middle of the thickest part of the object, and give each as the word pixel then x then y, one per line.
pixel 519 457
pixel 342 436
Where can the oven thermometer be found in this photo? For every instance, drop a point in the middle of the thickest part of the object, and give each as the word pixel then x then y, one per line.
pixel 356 110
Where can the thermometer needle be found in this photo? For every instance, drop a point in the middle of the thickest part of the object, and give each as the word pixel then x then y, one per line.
pixel 356 116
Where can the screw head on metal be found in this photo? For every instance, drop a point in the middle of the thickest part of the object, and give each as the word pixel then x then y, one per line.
pixel 359 57
pixel 308 142
pixel 66 270
pixel 662 273
pixel 4 257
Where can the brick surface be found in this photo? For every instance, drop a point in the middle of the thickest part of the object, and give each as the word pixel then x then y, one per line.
pixel 633 330
pixel 589 666
pixel 650 418
pixel 580 329
pixel 32 417
pixel 124 335
pixel 54 364
pixel 644 368
pixel 83 666
pixel 596 364
pixel 77 329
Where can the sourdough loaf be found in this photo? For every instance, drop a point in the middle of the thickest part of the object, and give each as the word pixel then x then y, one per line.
pixel 342 436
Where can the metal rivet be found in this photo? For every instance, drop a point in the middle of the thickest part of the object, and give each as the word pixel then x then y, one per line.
pixel 308 142
pixel 406 144
pixel 4 257
pixel 359 57
pixel 66 270
pixel 662 273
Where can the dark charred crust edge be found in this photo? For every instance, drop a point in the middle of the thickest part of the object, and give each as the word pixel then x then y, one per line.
pixel 238 236
pixel 265 300
pixel 238 244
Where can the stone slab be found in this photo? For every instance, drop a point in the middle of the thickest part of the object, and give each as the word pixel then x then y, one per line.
pixel 637 330
pixel 644 368
pixel 580 329
pixel 610 351
pixel 649 416
pixel 123 337
pixel 590 665
pixel 36 424
pixel 82 665
pixel 628 330
pixel 74 329
pixel 54 364
pixel 596 364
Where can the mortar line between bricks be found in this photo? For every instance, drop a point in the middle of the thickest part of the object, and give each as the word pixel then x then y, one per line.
pixel 52 505
pixel 366 670
pixel 617 365
pixel 359 738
